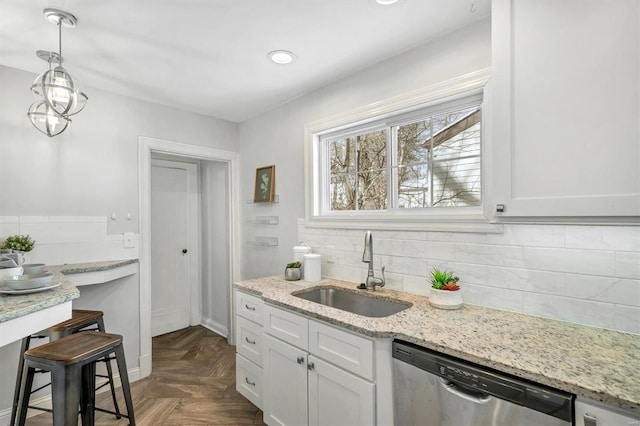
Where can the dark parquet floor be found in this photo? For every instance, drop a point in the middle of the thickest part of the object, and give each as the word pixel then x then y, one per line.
pixel 192 383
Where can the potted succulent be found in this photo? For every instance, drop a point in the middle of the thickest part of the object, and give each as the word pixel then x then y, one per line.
pixel 293 272
pixel 445 291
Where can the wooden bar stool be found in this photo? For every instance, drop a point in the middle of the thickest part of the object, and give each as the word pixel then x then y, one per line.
pixel 81 320
pixel 71 361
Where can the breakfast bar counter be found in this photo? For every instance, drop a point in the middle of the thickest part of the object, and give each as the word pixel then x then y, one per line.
pixel 21 315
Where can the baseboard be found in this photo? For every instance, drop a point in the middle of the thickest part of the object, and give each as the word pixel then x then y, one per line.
pixel 144 361
pixel 216 327
pixel 45 401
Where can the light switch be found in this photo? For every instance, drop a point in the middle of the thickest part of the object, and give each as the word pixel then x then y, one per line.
pixel 129 240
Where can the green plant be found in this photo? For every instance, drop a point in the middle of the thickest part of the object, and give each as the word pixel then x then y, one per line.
pixel 444 280
pixel 294 265
pixel 19 242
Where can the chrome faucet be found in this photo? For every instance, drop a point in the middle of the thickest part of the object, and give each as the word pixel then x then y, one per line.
pixel 367 257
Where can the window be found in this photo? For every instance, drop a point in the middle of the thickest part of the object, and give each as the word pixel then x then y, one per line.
pixel 431 161
pixel 409 162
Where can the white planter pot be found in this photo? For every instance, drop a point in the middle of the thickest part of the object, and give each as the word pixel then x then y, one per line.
pixel 445 299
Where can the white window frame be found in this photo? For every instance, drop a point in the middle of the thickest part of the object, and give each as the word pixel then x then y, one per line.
pixel 460 219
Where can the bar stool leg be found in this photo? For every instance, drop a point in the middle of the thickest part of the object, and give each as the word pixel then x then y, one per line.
pixel 65 381
pixel 124 379
pixel 88 395
pixel 16 394
pixel 110 374
pixel 26 383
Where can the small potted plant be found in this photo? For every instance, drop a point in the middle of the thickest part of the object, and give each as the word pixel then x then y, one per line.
pixel 20 244
pixel 293 272
pixel 445 291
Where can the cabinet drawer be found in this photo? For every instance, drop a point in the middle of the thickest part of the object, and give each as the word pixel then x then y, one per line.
pixel 249 306
pixel 249 339
pixel 249 380
pixel 286 326
pixel 346 350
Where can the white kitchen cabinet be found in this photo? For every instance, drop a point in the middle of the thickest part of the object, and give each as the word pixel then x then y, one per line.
pixel 285 383
pixel 337 397
pixel 315 374
pixel 249 376
pixel 565 105
pixel 593 413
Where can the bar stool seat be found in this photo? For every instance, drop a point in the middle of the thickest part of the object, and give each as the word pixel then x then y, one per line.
pixel 81 320
pixel 71 361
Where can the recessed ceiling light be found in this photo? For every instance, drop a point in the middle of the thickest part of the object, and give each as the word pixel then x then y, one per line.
pixel 386 2
pixel 281 56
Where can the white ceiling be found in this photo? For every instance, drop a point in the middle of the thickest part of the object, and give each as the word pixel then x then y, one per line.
pixel 209 56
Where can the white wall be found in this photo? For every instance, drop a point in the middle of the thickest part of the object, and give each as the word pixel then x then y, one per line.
pixel 215 247
pixel 277 136
pixel 91 168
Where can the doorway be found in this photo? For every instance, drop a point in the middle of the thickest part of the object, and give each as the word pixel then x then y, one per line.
pixel 175 230
pixel 223 171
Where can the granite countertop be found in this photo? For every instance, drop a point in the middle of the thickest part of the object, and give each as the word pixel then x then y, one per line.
pixel 599 364
pixel 14 306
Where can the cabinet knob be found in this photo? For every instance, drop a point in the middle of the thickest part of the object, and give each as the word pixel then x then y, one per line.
pixel 184 251
pixel 251 342
pixel 310 366
pixel 246 379
pixel 249 308
pixel 300 359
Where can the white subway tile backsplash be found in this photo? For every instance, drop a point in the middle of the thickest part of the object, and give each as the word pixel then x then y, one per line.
pixel 416 285
pixel 64 232
pixel 457 237
pixel 493 297
pixel 402 265
pixel 604 289
pixel 569 309
pixel 584 274
pixel 527 280
pixel 33 219
pixel 529 235
pixel 427 249
pixel 627 319
pixel 591 262
pixel 627 265
pixel 9 219
pixel 619 238
pixel 8 229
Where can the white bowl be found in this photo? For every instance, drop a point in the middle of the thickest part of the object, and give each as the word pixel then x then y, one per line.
pixel 33 268
pixel 28 282
pixel 9 272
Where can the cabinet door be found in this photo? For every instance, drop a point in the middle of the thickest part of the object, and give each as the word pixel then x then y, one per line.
pixel 565 107
pixel 284 383
pixel 337 397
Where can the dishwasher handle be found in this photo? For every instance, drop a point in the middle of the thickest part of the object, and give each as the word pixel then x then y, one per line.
pixel 462 392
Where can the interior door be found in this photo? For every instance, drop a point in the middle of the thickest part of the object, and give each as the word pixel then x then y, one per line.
pixel 171 274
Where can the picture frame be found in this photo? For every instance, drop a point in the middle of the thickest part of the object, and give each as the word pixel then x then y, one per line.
pixel 265 184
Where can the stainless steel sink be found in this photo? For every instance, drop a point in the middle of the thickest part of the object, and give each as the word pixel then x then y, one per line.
pixel 357 303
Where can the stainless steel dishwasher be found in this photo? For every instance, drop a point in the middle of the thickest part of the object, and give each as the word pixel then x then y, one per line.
pixel 432 389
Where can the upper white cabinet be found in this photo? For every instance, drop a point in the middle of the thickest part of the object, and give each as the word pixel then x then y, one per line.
pixel 565 108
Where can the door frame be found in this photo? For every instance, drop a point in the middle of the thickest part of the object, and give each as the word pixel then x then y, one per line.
pixel 147 145
pixel 194 227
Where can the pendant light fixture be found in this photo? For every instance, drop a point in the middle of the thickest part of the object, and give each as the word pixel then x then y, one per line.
pixel 58 94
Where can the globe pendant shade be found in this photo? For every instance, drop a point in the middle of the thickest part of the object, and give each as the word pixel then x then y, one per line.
pixel 46 120
pixel 60 91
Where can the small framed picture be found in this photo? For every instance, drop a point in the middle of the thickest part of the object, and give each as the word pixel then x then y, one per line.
pixel 265 184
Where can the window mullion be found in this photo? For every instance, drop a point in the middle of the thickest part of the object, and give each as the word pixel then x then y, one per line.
pixel 392 169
